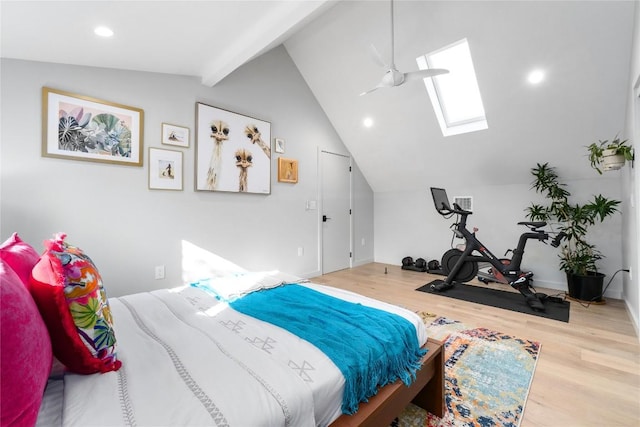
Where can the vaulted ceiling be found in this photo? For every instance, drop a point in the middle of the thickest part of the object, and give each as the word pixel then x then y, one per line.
pixel 584 47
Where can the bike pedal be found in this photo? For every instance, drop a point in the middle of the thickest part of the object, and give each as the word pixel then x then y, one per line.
pixel 519 282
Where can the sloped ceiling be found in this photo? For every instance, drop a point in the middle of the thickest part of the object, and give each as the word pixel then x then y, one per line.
pixel 584 46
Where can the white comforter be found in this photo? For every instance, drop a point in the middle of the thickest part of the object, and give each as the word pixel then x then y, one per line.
pixel 188 359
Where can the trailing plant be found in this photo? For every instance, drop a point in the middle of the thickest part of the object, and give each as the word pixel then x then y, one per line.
pixel 619 147
pixel 577 256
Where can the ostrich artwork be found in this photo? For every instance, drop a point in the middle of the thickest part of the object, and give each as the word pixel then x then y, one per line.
pixel 219 134
pixel 253 134
pixel 244 160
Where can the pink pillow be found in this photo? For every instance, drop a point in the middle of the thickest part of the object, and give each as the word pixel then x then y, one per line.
pixel 26 356
pixel 20 256
pixel 68 290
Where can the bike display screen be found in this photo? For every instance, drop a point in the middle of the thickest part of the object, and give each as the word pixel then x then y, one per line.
pixel 440 200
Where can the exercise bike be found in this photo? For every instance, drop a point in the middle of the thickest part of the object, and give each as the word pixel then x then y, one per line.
pixel 462 265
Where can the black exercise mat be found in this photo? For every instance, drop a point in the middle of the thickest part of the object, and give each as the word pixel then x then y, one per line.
pixel 556 310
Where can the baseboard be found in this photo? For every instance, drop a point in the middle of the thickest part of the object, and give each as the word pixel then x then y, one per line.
pixel 310 274
pixel 613 294
pixel 358 263
pixel 634 319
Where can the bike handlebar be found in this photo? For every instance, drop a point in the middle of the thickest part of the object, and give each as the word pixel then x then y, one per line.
pixel 446 210
pixel 556 240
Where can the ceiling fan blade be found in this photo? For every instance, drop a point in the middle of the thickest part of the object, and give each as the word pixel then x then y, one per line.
pixel 377 58
pixel 370 90
pixel 376 87
pixel 423 74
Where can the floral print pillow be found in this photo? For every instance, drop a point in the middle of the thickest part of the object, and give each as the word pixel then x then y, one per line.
pixel 68 290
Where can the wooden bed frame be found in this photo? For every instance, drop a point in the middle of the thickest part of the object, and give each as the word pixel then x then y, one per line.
pixel 427 391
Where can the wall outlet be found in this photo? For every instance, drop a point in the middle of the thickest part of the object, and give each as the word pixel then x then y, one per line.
pixel 159 272
pixel 300 251
pixel 363 241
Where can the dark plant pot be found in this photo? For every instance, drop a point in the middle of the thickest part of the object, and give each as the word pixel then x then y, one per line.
pixel 585 288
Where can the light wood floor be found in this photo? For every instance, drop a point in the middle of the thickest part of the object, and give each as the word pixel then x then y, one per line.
pixel 588 373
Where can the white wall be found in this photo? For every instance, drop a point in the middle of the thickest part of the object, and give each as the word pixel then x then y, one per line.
pixel 128 229
pixel 364 238
pixel 407 224
pixel 631 188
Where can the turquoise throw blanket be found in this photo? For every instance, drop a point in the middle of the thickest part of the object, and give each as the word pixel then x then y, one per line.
pixel 371 347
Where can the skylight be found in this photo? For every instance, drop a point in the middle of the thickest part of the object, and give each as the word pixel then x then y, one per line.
pixel 455 96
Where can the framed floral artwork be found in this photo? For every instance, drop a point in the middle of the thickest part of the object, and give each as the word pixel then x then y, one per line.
pixel 80 127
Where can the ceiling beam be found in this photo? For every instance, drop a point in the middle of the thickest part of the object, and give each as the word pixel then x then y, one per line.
pixel 266 33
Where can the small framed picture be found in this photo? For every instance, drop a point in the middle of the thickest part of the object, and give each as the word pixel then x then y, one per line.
pixel 165 169
pixel 279 145
pixel 287 170
pixel 175 135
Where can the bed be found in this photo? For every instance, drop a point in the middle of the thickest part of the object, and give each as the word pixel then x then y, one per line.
pixel 199 354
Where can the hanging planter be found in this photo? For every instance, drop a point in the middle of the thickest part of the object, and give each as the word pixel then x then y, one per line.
pixel 609 155
pixel 611 160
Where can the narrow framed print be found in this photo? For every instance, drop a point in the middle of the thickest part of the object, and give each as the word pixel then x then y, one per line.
pixel 80 127
pixel 165 169
pixel 175 135
pixel 287 170
pixel 233 152
pixel 279 145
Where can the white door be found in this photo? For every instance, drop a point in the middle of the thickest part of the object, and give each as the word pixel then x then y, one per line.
pixel 336 211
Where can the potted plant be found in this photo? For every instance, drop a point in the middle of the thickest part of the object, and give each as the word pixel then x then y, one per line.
pixel 610 155
pixel 577 257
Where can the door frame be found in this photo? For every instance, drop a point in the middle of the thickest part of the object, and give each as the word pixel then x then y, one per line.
pixel 321 207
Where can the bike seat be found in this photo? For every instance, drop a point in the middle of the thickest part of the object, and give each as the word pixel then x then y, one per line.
pixel 534 224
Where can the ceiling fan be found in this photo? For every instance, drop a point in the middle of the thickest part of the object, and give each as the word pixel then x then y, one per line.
pixel 393 77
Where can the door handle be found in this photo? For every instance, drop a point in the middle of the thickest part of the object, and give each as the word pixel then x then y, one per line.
pixel 325 218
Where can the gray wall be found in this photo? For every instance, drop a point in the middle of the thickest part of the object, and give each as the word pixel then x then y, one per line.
pixel 128 229
pixel 631 186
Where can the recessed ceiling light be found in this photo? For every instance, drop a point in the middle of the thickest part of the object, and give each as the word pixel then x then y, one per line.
pixel 103 31
pixel 535 77
pixel 367 122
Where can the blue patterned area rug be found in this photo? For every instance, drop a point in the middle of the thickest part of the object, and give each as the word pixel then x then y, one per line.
pixel 487 377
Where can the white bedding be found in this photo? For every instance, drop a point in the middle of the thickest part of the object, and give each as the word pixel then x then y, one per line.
pixel 189 359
